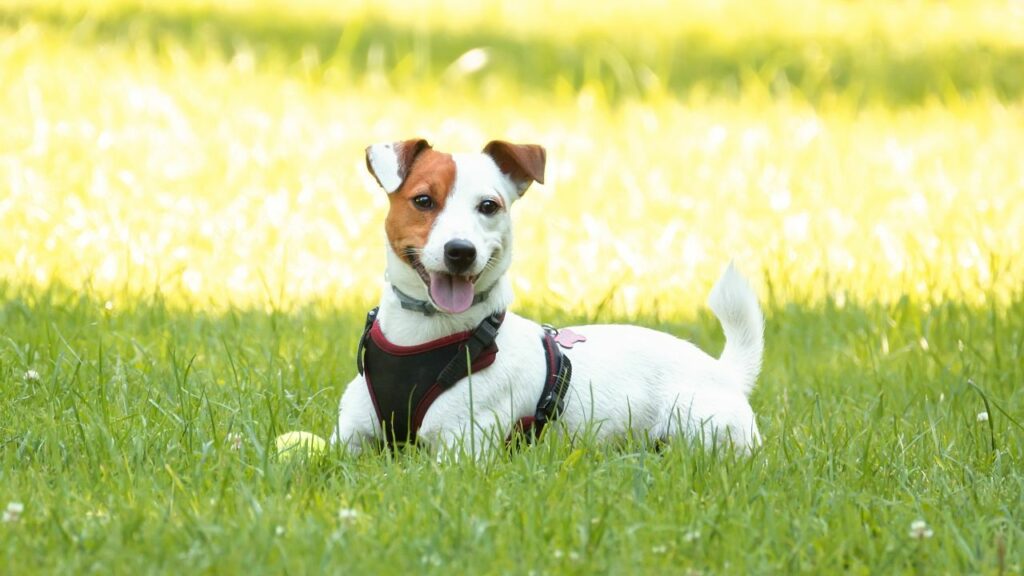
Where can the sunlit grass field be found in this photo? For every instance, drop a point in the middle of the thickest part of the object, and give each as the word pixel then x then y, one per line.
pixel 190 239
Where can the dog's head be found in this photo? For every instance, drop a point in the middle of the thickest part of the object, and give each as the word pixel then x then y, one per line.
pixel 448 225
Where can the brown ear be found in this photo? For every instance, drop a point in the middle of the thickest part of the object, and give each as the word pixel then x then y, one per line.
pixel 389 162
pixel 522 163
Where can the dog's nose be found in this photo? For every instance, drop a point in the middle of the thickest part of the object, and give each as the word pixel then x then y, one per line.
pixel 459 255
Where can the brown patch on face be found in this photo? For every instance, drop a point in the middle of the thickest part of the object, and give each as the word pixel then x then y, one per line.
pixel 407 226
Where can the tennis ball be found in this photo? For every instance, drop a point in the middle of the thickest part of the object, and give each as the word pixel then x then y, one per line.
pixel 293 443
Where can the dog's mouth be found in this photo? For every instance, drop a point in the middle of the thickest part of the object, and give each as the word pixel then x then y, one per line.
pixel 451 293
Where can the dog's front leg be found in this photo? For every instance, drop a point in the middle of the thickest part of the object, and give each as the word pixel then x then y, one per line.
pixel 357 418
pixel 477 440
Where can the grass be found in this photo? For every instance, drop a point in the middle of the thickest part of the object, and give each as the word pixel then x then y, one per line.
pixel 123 455
pixel 191 240
pixel 255 175
pixel 897 54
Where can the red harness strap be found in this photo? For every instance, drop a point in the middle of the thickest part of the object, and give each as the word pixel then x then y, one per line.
pixel 556 385
pixel 403 381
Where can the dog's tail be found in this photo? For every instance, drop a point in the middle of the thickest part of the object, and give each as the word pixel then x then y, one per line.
pixel 735 304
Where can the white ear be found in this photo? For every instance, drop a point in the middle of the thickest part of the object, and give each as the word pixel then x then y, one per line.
pixel 389 162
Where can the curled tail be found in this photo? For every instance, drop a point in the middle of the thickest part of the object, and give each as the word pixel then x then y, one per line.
pixel 735 304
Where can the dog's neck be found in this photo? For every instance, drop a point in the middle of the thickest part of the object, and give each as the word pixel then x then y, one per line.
pixel 425 307
pixel 409 328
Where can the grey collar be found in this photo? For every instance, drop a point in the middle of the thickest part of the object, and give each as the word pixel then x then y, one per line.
pixel 426 308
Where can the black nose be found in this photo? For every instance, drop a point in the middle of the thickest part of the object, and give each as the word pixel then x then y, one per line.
pixel 459 255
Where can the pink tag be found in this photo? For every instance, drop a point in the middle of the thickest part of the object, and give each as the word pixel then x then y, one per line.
pixel 566 338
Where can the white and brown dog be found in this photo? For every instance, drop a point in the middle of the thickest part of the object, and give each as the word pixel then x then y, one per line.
pixel 449 246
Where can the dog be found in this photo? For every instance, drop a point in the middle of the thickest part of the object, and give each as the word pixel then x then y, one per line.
pixel 442 361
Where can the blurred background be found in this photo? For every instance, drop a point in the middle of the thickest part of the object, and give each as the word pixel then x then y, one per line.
pixel 212 151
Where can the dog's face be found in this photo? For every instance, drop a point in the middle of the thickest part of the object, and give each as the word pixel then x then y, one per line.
pixel 448 225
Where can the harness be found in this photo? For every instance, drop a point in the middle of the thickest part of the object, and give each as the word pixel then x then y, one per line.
pixel 404 381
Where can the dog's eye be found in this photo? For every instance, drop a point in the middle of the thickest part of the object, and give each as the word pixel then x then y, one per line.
pixel 488 207
pixel 423 202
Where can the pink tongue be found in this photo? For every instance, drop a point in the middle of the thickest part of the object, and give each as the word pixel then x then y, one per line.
pixel 453 294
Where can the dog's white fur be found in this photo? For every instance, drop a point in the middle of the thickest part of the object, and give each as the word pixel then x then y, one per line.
pixel 626 379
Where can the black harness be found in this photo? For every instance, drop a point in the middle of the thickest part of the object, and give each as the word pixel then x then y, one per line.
pixel 404 381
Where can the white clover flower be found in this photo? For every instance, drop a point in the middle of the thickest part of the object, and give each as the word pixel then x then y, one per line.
pixel 919 530
pixel 279 531
pixel 691 535
pixel 348 514
pixel 99 515
pixel 982 416
pixel 31 376
pixel 659 549
pixel 13 512
pixel 557 553
pixel 469 62
pixel 235 441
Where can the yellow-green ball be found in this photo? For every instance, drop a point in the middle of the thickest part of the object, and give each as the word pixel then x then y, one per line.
pixel 291 444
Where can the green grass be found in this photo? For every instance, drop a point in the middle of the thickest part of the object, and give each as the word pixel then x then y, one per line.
pixel 898 55
pixel 122 454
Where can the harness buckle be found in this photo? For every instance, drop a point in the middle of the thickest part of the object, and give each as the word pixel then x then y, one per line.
pixel 549 407
pixel 481 338
pixel 487 331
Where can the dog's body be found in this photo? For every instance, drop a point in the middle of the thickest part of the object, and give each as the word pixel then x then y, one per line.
pixel 456 244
